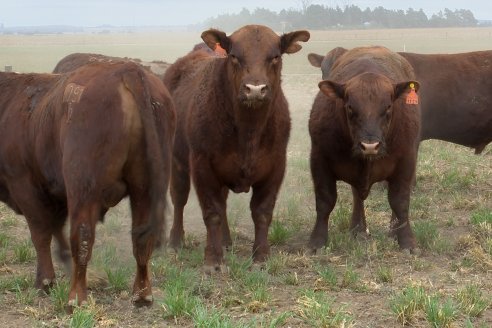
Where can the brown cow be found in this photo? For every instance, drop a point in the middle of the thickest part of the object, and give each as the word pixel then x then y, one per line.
pixel 232 132
pixel 364 130
pixel 73 61
pixel 456 94
pixel 76 144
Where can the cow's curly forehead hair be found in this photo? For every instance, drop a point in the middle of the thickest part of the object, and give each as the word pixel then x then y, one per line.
pixel 254 40
pixel 254 33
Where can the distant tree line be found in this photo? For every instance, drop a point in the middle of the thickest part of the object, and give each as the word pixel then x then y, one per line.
pixel 320 17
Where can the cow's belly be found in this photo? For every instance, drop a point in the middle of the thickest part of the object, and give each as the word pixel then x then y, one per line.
pixel 239 173
pixel 363 173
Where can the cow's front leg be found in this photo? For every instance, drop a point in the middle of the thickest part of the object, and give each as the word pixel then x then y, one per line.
pixel 213 204
pixel 399 200
pixel 262 204
pixel 325 189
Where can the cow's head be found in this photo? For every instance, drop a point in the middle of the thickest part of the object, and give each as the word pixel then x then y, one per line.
pixel 254 60
pixel 370 101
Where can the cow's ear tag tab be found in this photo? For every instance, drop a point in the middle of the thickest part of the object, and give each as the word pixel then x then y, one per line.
pixel 412 97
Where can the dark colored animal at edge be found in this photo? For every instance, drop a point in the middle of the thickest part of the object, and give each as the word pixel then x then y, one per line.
pixel 75 145
pixel 456 95
pixel 364 131
pixel 232 132
pixel 73 61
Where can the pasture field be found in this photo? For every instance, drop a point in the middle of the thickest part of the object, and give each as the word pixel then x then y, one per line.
pixel 350 283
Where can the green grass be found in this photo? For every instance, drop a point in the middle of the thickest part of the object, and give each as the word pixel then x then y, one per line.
pixel 118 278
pixel 384 274
pixel 276 263
pixel 472 301
pixel 481 216
pixel 278 234
pixel 59 295
pixel 407 303
pixel 329 276
pixel 82 317
pixel 440 314
pixel 318 310
pixel 204 317
pixel 24 252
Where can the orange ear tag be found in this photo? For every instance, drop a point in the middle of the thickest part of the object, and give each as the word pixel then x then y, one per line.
pixel 412 97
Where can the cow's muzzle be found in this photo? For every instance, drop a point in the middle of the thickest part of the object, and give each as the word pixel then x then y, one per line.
pixel 369 148
pixel 254 94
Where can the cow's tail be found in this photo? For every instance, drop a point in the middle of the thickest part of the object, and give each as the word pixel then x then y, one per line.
pixel 157 159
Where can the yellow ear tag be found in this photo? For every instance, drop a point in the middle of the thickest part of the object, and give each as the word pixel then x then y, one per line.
pixel 412 97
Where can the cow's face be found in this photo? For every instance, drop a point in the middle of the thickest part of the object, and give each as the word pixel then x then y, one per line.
pixel 369 104
pixel 254 60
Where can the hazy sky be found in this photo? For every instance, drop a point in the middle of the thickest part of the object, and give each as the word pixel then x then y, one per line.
pixel 185 12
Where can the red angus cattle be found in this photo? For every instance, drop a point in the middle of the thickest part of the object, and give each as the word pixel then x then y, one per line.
pixel 363 131
pixel 76 144
pixel 232 132
pixel 456 94
pixel 73 61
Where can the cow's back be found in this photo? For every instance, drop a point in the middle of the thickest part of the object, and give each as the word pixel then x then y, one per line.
pixel 456 96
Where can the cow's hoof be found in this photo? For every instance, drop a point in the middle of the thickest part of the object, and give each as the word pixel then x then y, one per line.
pixel 412 251
pixel 141 301
pixel 259 266
pixel 215 269
pixel 45 285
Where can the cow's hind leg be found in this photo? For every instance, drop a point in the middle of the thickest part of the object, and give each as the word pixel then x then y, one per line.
pixel 84 217
pixel 180 189
pixel 142 247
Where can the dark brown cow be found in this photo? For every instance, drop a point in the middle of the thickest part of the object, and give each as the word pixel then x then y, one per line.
pixel 364 130
pixel 73 61
pixel 232 132
pixel 456 94
pixel 76 144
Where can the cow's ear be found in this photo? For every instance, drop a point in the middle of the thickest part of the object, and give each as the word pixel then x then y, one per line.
pixel 315 59
pixel 402 87
pixel 213 37
pixel 288 42
pixel 332 89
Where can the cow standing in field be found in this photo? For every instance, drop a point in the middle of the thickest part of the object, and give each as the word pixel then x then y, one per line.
pixel 456 94
pixel 232 132
pixel 364 128
pixel 76 144
pixel 73 61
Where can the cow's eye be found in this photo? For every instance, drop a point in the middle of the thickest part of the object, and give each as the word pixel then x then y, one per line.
pixel 388 111
pixel 350 112
pixel 275 60
pixel 234 59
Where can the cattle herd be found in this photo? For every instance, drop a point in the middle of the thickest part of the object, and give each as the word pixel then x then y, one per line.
pixel 77 141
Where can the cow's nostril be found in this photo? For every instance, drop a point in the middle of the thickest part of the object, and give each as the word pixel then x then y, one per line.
pixel 263 90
